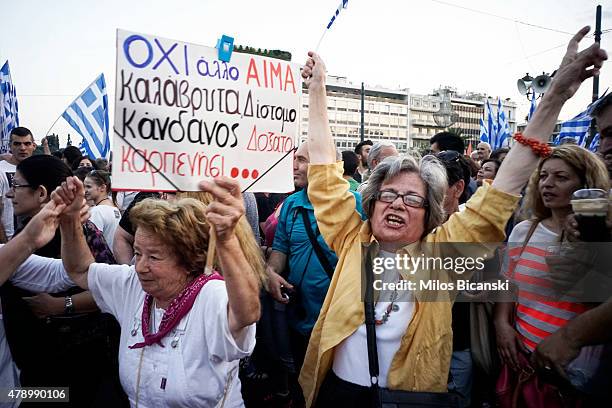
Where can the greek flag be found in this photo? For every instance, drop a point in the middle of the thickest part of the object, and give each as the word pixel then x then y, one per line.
pixel 576 128
pixel 88 115
pixel 594 146
pixel 503 131
pixel 83 149
pixel 9 117
pixel 532 109
pixel 484 134
pixel 342 5
pixel 490 125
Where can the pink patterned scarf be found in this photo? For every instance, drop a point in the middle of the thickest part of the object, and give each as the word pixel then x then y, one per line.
pixel 178 308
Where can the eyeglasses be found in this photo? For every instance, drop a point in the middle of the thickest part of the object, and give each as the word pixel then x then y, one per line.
pixel 411 200
pixel 16 185
pixel 448 155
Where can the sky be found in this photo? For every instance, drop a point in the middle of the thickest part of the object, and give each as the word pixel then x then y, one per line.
pixel 57 48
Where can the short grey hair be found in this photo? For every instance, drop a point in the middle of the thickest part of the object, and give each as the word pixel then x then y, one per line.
pixel 376 150
pixel 429 169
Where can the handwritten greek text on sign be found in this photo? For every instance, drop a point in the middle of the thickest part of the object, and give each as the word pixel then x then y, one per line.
pixel 194 117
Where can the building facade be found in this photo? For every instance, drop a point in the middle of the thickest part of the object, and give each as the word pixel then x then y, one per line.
pixel 386 114
pixel 398 116
pixel 469 107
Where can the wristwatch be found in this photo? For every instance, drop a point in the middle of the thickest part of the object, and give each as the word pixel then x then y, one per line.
pixel 68 305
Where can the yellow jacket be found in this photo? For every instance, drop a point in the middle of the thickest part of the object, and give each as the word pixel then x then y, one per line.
pixel 422 361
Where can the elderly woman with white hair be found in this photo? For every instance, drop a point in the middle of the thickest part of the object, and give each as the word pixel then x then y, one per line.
pixel 413 341
pixel 184 328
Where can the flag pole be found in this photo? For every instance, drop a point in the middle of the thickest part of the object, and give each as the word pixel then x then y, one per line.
pixel 320 41
pixel 58 118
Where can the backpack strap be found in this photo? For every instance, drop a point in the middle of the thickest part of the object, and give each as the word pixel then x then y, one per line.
pixel 329 270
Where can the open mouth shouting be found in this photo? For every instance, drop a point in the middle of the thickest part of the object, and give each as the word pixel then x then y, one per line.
pixel 394 221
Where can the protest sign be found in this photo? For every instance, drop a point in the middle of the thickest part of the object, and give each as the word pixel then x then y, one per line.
pixel 182 115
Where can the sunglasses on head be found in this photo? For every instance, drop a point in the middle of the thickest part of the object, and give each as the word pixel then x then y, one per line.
pixel 448 156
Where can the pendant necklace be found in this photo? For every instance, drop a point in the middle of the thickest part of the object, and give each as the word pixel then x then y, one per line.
pixel 393 307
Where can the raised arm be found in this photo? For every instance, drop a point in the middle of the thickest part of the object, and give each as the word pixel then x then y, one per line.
pixel 37 233
pixel 240 279
pixel 321 148
pixel 575 68
pixel 75 253
pixel 335 207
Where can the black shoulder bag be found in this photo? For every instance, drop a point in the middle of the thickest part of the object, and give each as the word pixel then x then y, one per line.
pixel 384 397
pixel 329 270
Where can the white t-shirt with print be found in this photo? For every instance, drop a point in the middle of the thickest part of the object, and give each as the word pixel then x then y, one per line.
pixel 7 173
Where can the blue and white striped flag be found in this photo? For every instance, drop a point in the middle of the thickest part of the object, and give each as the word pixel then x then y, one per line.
pixel 576 128
pixel 532 109
pixel 503 131
pixel 594 146
pixel 496 133
pixel 88 115
pixel 490 124
pixel 83 148
pixel 9 117
pixel 484 133
pixel 343 5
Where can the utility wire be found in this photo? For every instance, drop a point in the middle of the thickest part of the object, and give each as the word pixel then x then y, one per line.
pixel 502 17
pixel 552 48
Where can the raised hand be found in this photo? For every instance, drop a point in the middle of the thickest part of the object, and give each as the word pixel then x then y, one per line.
pixel 577 66
pixel 227 208
pixel 314 71
pixel 72 195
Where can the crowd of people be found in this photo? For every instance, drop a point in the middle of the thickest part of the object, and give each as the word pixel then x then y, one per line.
pixel 221 298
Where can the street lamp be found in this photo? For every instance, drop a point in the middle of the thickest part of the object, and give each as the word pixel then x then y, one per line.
pixel 445 116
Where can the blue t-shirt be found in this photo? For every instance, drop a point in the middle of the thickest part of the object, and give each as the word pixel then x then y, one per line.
pixel 305 271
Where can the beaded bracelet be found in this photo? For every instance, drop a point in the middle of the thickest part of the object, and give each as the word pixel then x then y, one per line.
pixel 539 148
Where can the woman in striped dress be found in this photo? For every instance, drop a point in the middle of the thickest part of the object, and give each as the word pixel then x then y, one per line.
pixel 522 326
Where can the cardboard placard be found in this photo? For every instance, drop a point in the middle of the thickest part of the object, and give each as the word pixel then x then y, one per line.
pixel 194 117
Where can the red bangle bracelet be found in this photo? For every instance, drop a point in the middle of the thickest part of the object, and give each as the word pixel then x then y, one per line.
pixel 539 148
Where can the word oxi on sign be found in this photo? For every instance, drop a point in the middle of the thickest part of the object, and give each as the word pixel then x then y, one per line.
pixel 182 114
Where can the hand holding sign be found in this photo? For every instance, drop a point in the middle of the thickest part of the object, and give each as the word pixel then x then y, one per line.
pixel 224 213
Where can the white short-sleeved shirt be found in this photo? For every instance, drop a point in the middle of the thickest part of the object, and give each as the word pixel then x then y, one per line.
pixel 200 357
pixel 106 218
pixel 7 172
pixel 36 274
